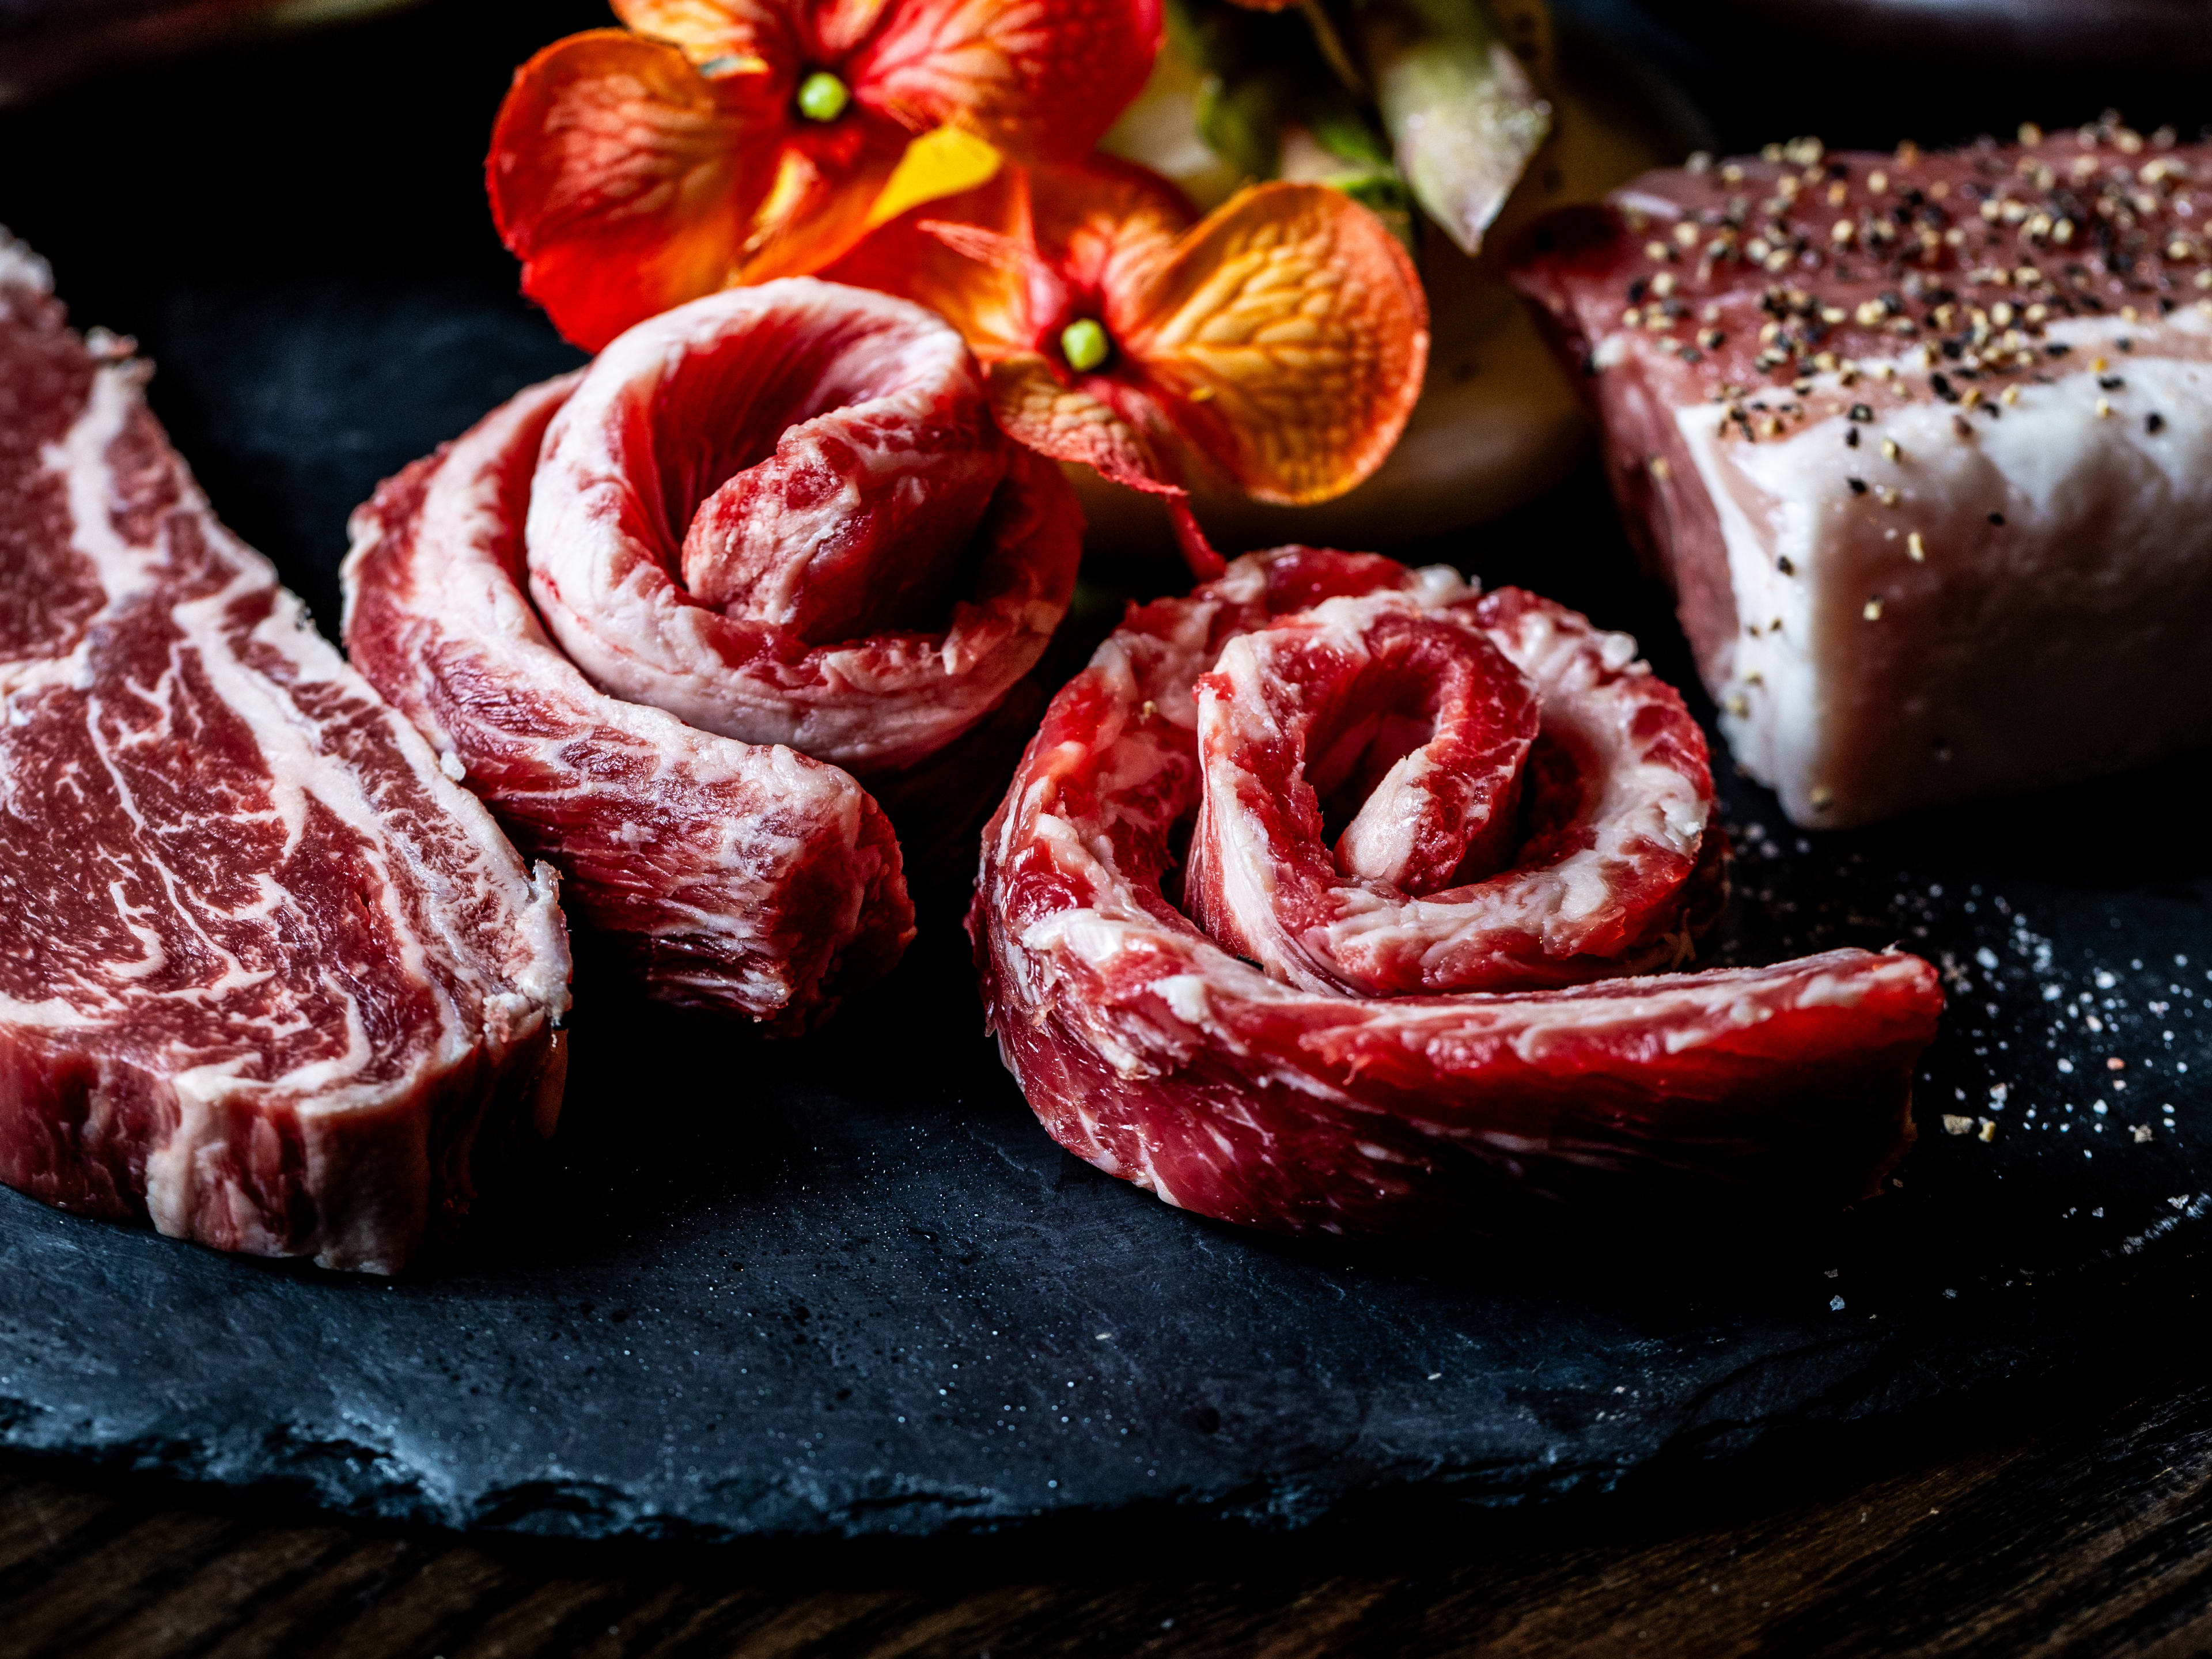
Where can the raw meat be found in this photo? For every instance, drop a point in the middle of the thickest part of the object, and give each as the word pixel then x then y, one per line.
pixel 660 614
pixel 1429 711
pixel 269 980
pixel 1306 1093
pixel 1924 444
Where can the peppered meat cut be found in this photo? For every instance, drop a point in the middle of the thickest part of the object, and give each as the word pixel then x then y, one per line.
pixel 1338 897
pixel 1923 442
pixel 674 618
pixel 268 977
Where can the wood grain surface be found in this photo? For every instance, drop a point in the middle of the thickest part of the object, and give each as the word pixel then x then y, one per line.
pixel 2084 1531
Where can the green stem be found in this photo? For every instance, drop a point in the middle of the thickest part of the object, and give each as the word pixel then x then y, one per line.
pixel 1333 48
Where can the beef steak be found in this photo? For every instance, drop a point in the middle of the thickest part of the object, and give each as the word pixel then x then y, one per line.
pixel 268 978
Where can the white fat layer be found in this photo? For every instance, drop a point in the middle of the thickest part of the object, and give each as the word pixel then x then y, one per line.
pixel 20 268
pixel 1378 844
pixel 1114 943
pixel 2064 642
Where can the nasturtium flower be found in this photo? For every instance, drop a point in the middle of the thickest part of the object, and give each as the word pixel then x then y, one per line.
pixel 1275 347
pixel 713 143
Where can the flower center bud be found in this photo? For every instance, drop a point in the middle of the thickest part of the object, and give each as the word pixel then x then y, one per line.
pixel 822 96
pixel 1085 343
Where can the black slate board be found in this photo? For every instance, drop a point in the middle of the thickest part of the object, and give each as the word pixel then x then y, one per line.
pixel 847 1286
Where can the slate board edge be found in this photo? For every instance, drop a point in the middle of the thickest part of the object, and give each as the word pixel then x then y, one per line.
pixel 2085 1323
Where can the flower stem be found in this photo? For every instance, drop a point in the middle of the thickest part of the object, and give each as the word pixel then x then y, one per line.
pixel 1333 48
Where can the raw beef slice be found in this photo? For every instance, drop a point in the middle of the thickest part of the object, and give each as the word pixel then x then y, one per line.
pixel 727 627
pixel 1924 444
pixel 1338 897
pixel 271 980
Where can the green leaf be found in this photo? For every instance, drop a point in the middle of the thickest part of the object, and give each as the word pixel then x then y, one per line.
pixel 1242 121
pixel 1462 112
pixel 1343 129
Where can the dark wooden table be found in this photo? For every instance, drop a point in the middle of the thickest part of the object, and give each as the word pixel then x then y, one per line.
pixel 2087 1529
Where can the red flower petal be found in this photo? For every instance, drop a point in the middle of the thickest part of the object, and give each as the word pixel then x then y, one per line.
pixel 1116 430
pixel 819 206
pixel 967 256
pixel 623 180
pixel 1278 345
pixel 765 33
pixel 1073 423
pixel 1007 262
pixel 1038 78
pixel 1109 226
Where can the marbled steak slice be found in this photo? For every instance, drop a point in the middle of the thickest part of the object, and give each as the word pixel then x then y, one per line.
pixel 268 977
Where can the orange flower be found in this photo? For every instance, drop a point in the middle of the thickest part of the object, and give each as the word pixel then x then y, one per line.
pixel 731 141
pixel 1276 346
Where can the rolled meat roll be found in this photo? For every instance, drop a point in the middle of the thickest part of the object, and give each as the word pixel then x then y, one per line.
pixel 674 618
pixel 1340 897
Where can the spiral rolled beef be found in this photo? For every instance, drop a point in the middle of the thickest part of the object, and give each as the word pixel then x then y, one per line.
pixel 679 618
pixel 1338 896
